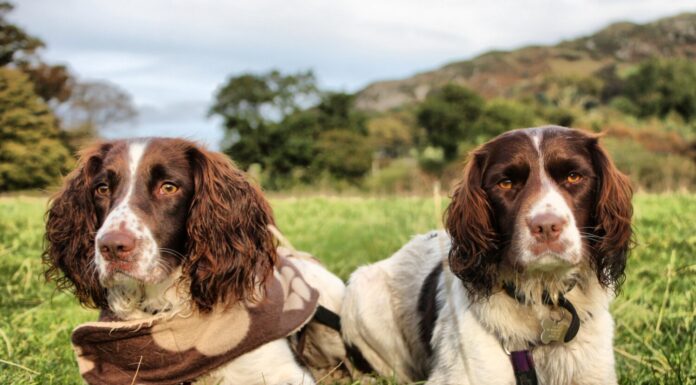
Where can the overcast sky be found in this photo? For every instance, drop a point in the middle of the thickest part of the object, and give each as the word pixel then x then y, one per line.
pixel 171 55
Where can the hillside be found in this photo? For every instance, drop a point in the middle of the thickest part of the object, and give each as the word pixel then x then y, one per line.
pixel 523 71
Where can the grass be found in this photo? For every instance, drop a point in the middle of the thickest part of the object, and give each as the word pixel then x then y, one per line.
pixel 655 313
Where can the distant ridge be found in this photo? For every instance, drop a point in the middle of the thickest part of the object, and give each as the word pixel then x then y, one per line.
pixel 522 71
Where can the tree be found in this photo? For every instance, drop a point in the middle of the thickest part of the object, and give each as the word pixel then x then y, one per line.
pixel 662 86
pixel 282 122
pixel 31 154
pixel 96 106
pixel 13 39
pixel 391 136
pixel 500 116
pixel 259 99
pixel 344 153
pixel 448 115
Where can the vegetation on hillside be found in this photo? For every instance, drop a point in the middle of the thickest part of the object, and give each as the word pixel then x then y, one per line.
pixel 647 113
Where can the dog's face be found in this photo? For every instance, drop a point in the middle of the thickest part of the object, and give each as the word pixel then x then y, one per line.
pixel 134 210
pixel 542 203
pixel 142 192
pixel 541 191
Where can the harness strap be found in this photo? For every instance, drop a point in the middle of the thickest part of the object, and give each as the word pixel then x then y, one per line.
pixel 523 366
pixel 328 318
pixel 332 320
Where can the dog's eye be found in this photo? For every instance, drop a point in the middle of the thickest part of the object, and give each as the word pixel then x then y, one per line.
pixel 168 188
pixel 102 189
pixel 505 184
pixel 573 177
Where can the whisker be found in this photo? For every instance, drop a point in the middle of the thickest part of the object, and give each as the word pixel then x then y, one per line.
pixel 172 251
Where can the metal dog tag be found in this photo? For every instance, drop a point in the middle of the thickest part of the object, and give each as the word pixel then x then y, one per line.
pixel 554 331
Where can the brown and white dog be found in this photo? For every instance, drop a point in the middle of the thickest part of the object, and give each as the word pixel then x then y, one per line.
pixel 538 210
pixel 159 226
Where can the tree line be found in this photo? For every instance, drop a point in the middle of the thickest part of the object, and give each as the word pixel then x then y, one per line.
pixel 290 133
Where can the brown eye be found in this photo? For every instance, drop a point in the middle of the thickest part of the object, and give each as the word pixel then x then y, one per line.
pixel 102 189
pixel 505 184
pixel 573 177
pixel 168 189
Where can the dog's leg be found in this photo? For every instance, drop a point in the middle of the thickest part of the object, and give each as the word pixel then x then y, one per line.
pixel 369 323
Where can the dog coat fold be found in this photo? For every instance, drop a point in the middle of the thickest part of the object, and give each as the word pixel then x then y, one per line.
pixel 174 349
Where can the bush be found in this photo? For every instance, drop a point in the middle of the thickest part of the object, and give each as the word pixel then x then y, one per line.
pixel 650 170
pixel 31 155
pixel 345 154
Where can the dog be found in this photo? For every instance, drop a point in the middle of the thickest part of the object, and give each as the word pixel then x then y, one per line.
pixel 517 290
pixel 174 245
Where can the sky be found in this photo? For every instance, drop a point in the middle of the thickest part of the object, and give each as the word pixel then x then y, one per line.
pixel 172 55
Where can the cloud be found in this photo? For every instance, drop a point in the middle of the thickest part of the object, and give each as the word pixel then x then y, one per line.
pixel 169 52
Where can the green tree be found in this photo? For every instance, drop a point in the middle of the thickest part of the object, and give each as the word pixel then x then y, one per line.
pixel 251 105
pixel 500 116
pixel 391 135
pixel 448 116
pixel 31 154
pixel 346 154
pixel 661 86
pixel 259 99
pixel 13 39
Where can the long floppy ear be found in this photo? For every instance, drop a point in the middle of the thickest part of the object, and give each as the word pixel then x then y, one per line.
pixel 469 221
pixel 71 223
pixel 231 251
pixel 612 219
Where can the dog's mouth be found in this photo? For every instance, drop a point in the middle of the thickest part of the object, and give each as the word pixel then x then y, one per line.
pixel 550 262
pixel 119 273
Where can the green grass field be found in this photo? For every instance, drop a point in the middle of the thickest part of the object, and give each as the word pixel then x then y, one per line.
pixel 655 314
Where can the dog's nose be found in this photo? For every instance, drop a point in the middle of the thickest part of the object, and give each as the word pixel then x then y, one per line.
pixel 546 227
pixel 117 245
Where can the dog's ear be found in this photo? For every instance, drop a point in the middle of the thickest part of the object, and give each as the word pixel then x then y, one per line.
pixel 469 222
pixel 231 251
pixel 71 222
pixel 612 218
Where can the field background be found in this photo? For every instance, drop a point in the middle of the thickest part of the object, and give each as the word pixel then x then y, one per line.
pixel 655 314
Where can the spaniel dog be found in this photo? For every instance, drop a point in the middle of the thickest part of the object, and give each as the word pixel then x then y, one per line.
pixel 162 227
pixel 517 290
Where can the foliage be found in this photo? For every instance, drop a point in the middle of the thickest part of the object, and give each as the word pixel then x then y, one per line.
pixel 31 154
pixel 265 125
pixel 47 113
pixel 391 135
pixel 654 171
pixel 655 332
pixel 500 116
pixel 659 87
pixel 13 39
pixel 448 115
pixel 254 100
pixel 344 153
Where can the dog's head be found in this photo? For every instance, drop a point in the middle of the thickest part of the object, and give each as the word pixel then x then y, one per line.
pixel 539 206
pixel 133 211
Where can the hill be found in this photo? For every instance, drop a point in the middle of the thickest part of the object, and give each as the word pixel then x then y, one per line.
pixel 524 71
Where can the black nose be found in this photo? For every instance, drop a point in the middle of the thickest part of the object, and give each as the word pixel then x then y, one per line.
pixel 546 227
pixel 117 245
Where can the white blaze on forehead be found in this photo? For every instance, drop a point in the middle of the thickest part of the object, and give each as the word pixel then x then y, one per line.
pixel 535 135
pixel 135 154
